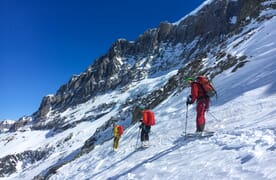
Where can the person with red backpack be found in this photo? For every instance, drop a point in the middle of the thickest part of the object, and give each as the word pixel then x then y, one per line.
pixel 147 120
pixel 118 132
pixel 201 91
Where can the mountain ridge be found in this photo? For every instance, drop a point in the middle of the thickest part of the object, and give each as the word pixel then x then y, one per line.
pixel 140 78
pixel 107 73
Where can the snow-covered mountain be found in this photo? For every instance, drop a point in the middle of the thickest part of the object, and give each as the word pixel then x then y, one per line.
pixel 231 41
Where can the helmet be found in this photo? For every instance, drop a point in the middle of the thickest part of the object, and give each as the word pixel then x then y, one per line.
pixel 189 79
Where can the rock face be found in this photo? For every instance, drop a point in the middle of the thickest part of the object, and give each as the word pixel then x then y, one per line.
pixel 6 125
pixel 8 163
pixel 127 61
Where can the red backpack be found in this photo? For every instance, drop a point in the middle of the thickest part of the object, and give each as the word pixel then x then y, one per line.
pixel 206 85
pixel 148 118
pixel 120 130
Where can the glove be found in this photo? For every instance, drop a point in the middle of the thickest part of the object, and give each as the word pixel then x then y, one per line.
pixel 142 126
pixel 189 100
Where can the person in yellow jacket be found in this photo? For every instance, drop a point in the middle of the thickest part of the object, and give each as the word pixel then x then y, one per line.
pixel 117 129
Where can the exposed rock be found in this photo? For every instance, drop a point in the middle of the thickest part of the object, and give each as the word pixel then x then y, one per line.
pixel 6 125
pixel 21 124
pixel 209 26
pixel 8 163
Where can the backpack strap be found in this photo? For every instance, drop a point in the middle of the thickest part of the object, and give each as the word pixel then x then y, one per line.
pixel 204 91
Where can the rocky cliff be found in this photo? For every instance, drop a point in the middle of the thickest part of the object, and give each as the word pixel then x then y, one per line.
pixel 191 39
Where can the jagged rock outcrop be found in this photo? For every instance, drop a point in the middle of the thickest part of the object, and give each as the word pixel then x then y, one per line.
pixel 114 69
pixel 22 124
pixel 210 26
pixel 8 163
pixel 6 125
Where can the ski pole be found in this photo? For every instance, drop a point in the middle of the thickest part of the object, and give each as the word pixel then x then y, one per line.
pixel 137 141
pixel 186 119
pixel 213 116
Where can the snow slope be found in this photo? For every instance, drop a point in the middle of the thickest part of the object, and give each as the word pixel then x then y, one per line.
pixel 243 117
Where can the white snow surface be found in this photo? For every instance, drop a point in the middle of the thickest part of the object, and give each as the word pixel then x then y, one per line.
pixel 243 119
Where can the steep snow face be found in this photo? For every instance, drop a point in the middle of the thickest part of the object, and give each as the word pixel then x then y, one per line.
pixel 195 11
pixel 64 146
pixel 243 118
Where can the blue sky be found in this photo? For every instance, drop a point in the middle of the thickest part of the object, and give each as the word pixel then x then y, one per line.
pixel 44 42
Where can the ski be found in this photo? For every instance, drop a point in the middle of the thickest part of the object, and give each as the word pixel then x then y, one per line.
pixel 199 134
pixel 141 148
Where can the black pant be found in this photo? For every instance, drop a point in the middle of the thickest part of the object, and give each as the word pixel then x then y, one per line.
pixel 145 132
